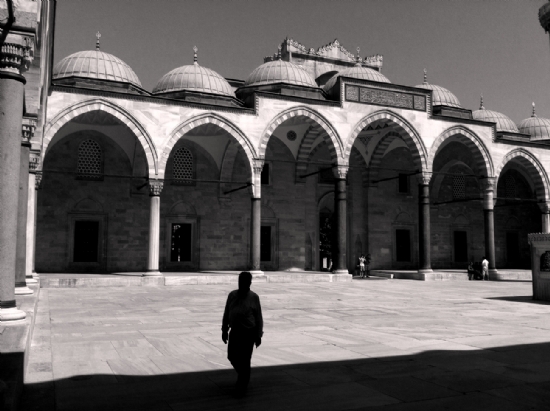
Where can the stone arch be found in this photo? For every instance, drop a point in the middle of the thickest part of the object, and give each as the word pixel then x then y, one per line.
pixel 227 165
pixel 380 150
pixel 125 117
pixel 87 205
pixel 319 126
pixel 403 217
pixel 359 159
pixel 182 208
pixel 534 168
pixel 482 157
pixel 408 134
pixel 208 118
pixel 438 177
pixel 326 201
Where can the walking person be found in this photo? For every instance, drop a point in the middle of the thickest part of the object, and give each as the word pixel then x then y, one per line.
pixel 242 325
pixel 484 269
pixel 362 261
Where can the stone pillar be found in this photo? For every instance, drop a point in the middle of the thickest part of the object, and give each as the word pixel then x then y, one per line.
pixel 340 208
pixel 11 117
pixel 545 213
pixel 21 252
pixel 256 219
pixel 155 188
pixel 30 274
pixel 424 229
pixel 488 187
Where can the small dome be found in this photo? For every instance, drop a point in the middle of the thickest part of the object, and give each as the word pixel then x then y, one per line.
pixel 97 65
pixel 503 122
pixel 194 78
pixel 441 96
pixel 357 71
pixel 537 127
pixel 279 71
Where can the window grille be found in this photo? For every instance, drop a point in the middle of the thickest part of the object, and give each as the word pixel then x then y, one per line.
pixel 183 167
pixel 90 159
pixel 510 185
pixel 459 187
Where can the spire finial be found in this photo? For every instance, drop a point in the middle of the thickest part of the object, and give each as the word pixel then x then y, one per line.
pixel 195 59
pixel 425 76
pixel 279 49
pixel 358 57
pixel 97 36
pixel 534 114
pixel 481 103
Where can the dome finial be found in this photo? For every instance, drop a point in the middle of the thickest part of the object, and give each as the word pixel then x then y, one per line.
pixel 534 114
pixel 425 76
pixel 97 36
pixel 358 57
pixel 195 59
pixel 279 49
pixel 481 103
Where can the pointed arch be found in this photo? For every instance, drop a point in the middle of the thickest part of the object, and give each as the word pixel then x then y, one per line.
pixel 534 168
pixel 407 132
pixel 482 157
pixel 194 122
pixel 98 104
pixel 319 127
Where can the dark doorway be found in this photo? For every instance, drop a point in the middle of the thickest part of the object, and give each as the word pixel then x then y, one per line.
pixel 512 249
pixel 180 248
pixel 86 240
pixel 403 245
pixel 461 246
pixel 326 240
pixel 265 243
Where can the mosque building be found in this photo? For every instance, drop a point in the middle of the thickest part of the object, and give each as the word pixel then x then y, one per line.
pixel 312 160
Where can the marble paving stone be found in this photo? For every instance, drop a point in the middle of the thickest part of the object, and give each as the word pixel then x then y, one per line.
pixel 409 389
pixel 539 372
pixel 471 380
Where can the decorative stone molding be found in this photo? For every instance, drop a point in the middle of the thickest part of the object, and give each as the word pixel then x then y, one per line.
pixel 155 187
pixel 424 178
pixel 34 162
pixel 340 172
pixel 16 56
pixel 27 130
pixel 488 183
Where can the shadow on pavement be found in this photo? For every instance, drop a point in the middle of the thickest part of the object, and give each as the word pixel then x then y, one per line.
pixel 520 299
pixel 509 377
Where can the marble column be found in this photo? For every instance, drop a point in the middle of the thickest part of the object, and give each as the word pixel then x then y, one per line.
pixel 256 219
pixel 488 187
pixel 545 213
pixel 11 109
pixel 30 274
pixel 424 228
pixel 21 251
pixel 340 208
pixel 155 188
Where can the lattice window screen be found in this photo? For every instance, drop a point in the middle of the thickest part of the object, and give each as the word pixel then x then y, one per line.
pixel 510 185
pixel 459 187
pixel 90 159
pixel 183 167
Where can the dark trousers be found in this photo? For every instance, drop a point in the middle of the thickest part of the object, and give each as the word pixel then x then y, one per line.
pixel 239 353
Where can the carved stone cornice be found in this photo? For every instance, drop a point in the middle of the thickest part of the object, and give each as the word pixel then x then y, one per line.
pixel 155 187
pixel 17 53
pixel 424 178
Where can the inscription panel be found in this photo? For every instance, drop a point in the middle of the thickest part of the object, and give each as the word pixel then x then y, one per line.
pixel 388 98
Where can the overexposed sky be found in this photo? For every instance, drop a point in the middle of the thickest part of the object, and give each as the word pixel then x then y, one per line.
pixel 493 47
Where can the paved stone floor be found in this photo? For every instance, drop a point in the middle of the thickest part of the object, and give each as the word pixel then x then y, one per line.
pixel 368 344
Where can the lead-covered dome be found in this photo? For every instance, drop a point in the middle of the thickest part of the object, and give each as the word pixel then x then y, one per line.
pixel 194 78
pixel 279 71
pixel 537 127
pixel 503 122
pixel 440 95
pixel 95 64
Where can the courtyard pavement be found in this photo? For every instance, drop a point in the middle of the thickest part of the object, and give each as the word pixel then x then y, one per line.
pixel 367 344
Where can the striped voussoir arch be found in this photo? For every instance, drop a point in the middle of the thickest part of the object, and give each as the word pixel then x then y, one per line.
pixel 359 161
pixel 407 132
pixel 482 157
pixel 228 163
pixel 379 152
pixel 534 168
pixel 317 123
pixel 75 110
pixel 208 118
pixel 304 151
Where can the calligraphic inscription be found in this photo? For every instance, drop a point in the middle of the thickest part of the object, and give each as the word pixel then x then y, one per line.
pixel 352 93
pixel 420 103
pixel 545 261
pixel 386 98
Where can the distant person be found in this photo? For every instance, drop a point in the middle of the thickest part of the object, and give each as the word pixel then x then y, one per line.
pixel 243 326
pixel 362 261
pixel 484 269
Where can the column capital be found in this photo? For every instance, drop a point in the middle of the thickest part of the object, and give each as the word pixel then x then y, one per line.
pixel 424 177
pixel 488 183
pixel 544 207
pixel 155 187
pixel 258 165
pixel 17 53
pixel 340 172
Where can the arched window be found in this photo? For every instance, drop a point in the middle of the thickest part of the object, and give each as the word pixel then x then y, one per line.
pixel 90 161
pixel 184 167
pixel 459 187
pixel 510 185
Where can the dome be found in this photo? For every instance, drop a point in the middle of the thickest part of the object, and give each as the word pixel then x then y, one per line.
pixel 357 71
pixel 440 95
pixel 537 127
pixel 279 71
pixel 503 122
pixel 194 78
pixel 97 65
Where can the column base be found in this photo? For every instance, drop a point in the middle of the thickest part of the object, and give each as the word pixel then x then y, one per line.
pixel 11 315
pixel 425 271
pixel 345 271
pixel 30 280
pixel 23 290
pixel 155 273
pixel 493 274
pixel 256 273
